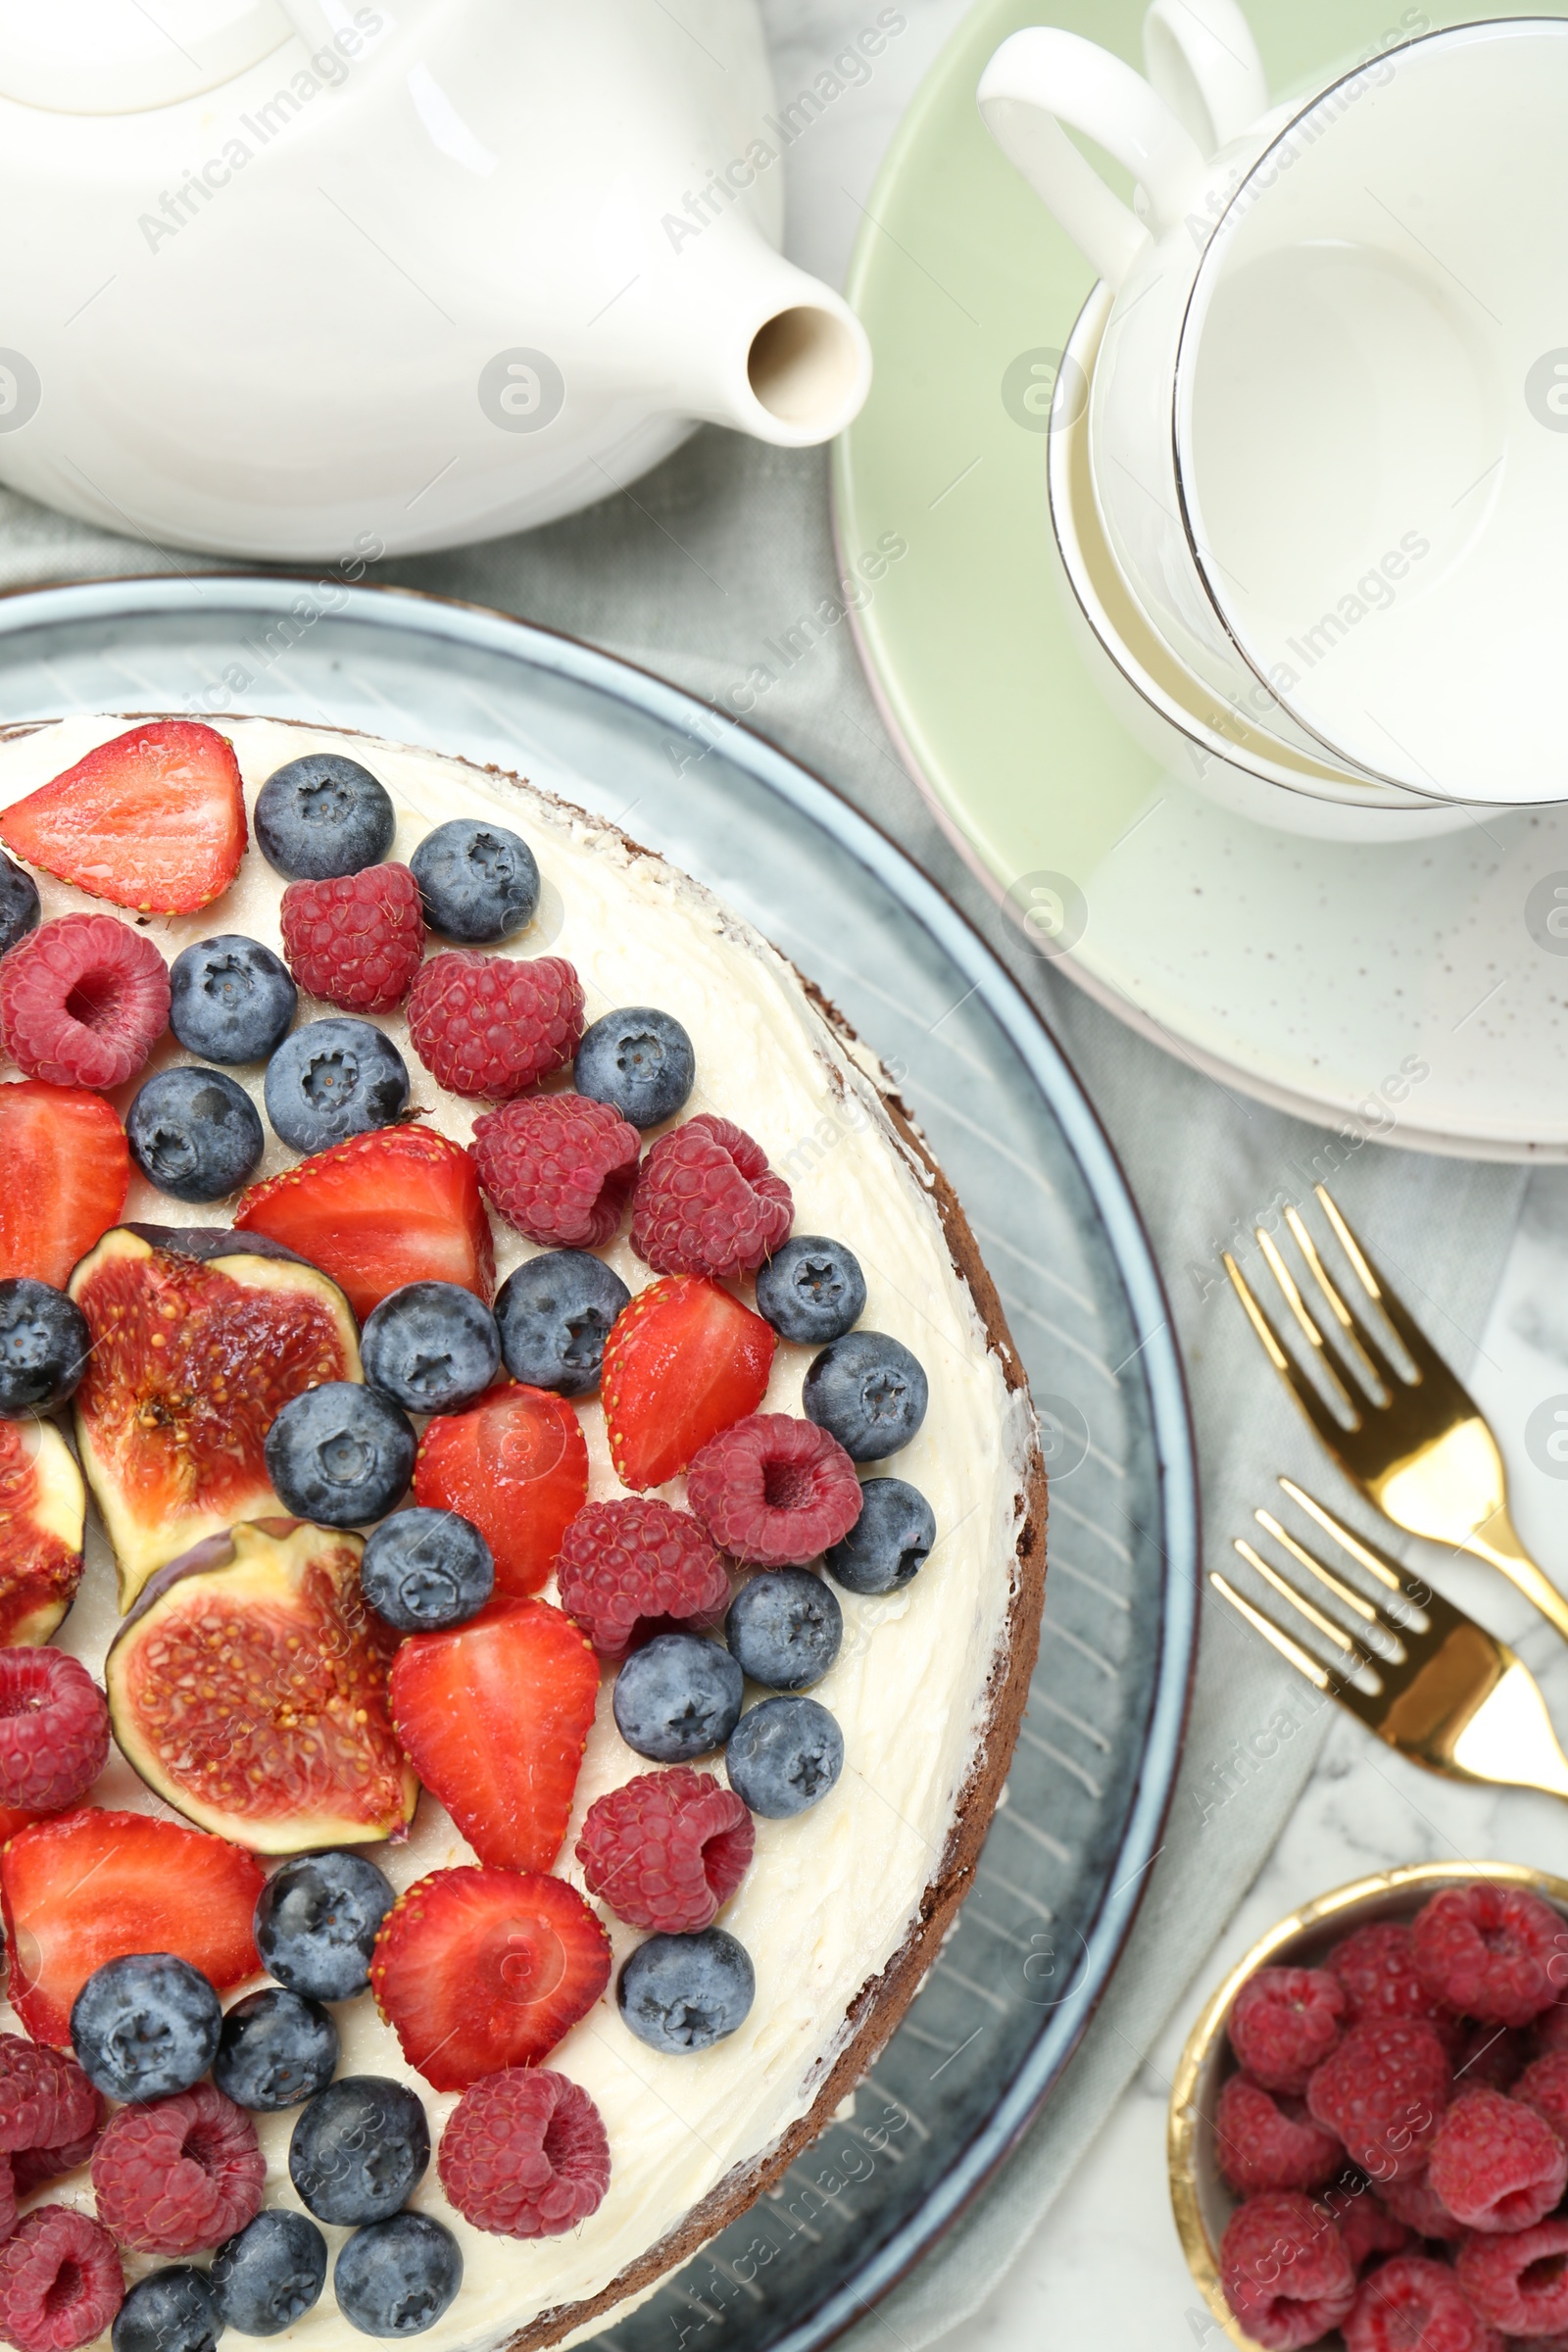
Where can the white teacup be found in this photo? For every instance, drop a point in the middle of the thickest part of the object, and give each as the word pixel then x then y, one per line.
pixel 1325 436
pixel 1215 748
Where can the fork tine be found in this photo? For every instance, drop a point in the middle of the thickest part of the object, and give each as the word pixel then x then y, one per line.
pixel 1342 1592
pixel 1418 1346
pixel 1359 1337
pixel 1306 1397
pixel 1310 1330
pixel 1292 1651
pixel 1299 1601
pixel 1377 1563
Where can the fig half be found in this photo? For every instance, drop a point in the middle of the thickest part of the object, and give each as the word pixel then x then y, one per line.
pixel 248 1688
pixel 43 1508
pixel 192 1361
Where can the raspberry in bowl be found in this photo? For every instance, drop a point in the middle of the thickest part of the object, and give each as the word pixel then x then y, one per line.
pixel 1368 2140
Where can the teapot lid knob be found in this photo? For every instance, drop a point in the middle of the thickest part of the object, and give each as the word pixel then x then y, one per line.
pixel 112 56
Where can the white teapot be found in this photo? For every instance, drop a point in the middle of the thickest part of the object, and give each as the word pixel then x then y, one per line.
pixel 306 278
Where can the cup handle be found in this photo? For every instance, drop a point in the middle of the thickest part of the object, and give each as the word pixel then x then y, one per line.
pixel 1043 77
pixel 1202 60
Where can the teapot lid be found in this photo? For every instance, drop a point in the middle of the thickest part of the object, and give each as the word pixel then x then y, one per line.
pixel 114 57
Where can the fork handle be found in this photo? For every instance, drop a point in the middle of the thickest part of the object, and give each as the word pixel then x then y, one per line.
pixel 1497 1543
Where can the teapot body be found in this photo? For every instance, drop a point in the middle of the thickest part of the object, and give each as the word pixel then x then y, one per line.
pixel 426 277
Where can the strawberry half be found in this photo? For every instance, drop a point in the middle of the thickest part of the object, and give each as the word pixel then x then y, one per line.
pixel 515 1464
pixel 475 1970
pixel 494 1716
pixel 682 1362
pixel 67 1169
pixel 91 1886
pixel 155 819
pixel 401 1205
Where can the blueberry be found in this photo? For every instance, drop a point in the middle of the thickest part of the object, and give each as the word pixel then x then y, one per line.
pixel 333 1079
pixel 20 903
pixel 397 2277
pixel 433 1346
pixel 145 2026
pixel 811 1290
pixel 784 1628
pixel 44 1346
pixel 230 999
pixel 889 1541
pixel 317 1923
pixel 869 1392
pixel 270 2274
pixel 168 2311
pixel 323 814
pixel 477 881
pixel 640 1061
pixel 359 2149
pixel 783 1756
pixel 678 1698
pixel 195 1134
pixel 685 1992
pixel 555 1314
pixel 340 1455
pixel 275 2050
pixel 425 1570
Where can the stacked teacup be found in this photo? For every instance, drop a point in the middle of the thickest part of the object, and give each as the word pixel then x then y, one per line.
pixel 1309 476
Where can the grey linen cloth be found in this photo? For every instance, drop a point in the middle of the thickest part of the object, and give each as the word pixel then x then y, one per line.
pixel 727 545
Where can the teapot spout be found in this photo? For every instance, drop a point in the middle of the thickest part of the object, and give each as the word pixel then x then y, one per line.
pixel 760 345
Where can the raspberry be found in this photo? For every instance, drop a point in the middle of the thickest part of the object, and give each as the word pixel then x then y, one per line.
pixel 1550 2031
pixel 54 1730
pixel 1384 2090
pixel 1284 2022
pixel 179 2173
pixel 1496 2163
pixel 1518 2281
pixel 1413 2304
pixel 1376 1964
pixel 44 2095
pixel 620 1562
pixel 83 1001
pixel 668 1849
pixel 1266 2139
pixel 1544 2086
pixel 1417 2203
pixel 356 939
pixel 1490 2058
pixel 60 2283
pixel 9 2195
pixel 1362 2219
pixel 489 1025
pixel 1488 1951
pixel 559 1167
pixel 708 1202
pixel 30 2168
pixel 1285 2271
pixel 774 1491
pixel 524 2154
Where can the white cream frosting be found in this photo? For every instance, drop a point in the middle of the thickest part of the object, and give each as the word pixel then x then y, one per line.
pixel 832 1895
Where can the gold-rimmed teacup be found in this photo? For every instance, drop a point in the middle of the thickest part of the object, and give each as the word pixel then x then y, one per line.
pixel 1201 2200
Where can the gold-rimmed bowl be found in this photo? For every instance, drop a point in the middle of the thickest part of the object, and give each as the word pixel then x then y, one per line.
pixel 1201 2200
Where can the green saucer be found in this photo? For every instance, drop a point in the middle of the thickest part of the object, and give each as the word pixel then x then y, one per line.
pixel 1318 976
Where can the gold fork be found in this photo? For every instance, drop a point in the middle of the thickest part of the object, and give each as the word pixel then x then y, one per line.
pixel 1419 1451
pixel 1449 1695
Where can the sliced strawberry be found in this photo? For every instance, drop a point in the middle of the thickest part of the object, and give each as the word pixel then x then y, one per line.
pixel 475 1970
pixel 43 1510
pixel 67 1169
pixel 682 1362
pixel 398 1206
pixel 155 819
pixel 14 1818
pixel 515 1464
pixel 495 1716
pixel 91 1886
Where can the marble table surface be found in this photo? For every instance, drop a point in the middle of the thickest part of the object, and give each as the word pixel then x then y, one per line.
pixel 1105 2267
